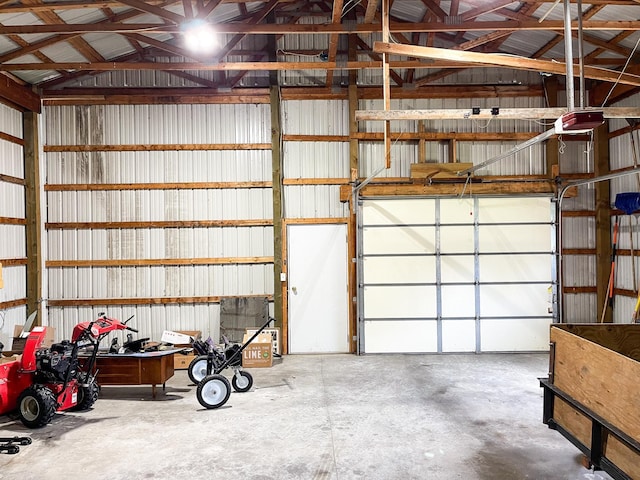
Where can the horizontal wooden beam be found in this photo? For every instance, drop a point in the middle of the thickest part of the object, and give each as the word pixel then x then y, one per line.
pixel 320 28
pixel 518 63
pixel 158 224
pixel 157 147
pixel 416 136
pixel 316 181
pixel 503 114
pixel 77 187
pixel 13 303
pixel 206 95
pixel 12 221
pixel 53 302
pixel 18 95
pixel 13 262
pixel 162 262
pixel 439 189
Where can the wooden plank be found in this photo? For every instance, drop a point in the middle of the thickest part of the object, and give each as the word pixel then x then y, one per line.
pixel 315 181
pixel 603 222
pixel 318 221
pixel 518 63
pixel 13 262
pixel 598 378
pixel 163 262
pixel 52 302
pixel 438 170
pixel 13 303
pixel 425 136
pixel 157 224
pixel 12 221
pixel 18 96
pixel 620 338
pixel 485 114
pixel 11 179
pixel 158 147
pixel 152 186
pixel 485 188
pixel 277 195
pixel 33 214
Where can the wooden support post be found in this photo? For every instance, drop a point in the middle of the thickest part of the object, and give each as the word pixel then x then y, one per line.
pixel 422 143
pixel 33 214
pixel 352 227
pixel 551 148
pixel 453 151
pixel 603 220
pixel 279 307
pixel 386 87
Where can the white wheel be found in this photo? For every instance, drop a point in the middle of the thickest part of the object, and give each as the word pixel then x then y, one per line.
pixel 213 391
pixel 242 381
pixel 198 369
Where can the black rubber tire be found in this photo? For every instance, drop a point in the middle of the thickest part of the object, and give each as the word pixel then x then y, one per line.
pixel 198 369
pixel 243 385
pixel 87 394
pixel 36 406
pixel 213 391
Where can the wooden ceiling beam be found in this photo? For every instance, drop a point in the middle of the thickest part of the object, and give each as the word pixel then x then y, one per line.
pixel 435 8
pixel 519 63
pixel 370 12
pixel 157 11
pixel 504 114
pixel 18 95
pixel 274 29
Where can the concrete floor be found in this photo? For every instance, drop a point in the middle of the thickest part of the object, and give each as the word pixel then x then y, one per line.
pixel 317 417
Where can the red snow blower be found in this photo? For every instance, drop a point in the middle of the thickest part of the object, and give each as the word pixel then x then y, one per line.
pixel 46 380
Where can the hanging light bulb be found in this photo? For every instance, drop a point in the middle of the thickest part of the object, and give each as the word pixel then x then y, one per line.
pixel 199 36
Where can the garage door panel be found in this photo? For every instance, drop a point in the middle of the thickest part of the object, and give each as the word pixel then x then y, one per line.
pixel 514 300
pixel 514 210
pixel 394 212
pixel 409 269
pixel 456 239
pixel 458 210
pixel 400 301
pixel 399 240
pixel 458 336
pixel 458 301
pixel 515 268
pixel 478 262
pixel 514 238
pixel 531 334
pixel 457 269
pixel 402 336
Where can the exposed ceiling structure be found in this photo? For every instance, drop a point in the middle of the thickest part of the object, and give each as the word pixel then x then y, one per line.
pixel 68 48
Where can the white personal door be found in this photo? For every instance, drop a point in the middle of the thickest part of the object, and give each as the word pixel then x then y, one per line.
pixel 317 294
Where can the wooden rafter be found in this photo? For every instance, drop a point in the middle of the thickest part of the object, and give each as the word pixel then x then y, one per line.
pixel 519 63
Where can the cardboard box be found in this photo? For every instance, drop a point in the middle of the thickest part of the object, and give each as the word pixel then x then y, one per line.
pixel 7 359
pixel 259 353
pixel 181 361
pixel 275 336
pixel 19 341
pixel 181 338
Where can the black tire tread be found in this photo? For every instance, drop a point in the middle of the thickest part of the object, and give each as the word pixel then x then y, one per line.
pixel 234 382
pixel 48 405
pixel 202 385
pixel 87 395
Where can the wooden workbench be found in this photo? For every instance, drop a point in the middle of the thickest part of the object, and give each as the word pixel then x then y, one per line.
pixel 148 368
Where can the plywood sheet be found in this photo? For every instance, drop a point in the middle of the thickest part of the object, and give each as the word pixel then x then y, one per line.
pixel 623 339
pixel 598 378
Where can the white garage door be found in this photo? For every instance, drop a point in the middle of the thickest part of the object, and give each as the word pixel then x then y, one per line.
pixel 455 275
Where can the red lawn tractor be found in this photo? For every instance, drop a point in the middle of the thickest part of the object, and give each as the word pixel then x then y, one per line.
pixel 46 380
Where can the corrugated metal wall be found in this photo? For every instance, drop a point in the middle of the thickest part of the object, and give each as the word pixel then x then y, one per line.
pixel 12 225
pixel 628 266
pixel 157 125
